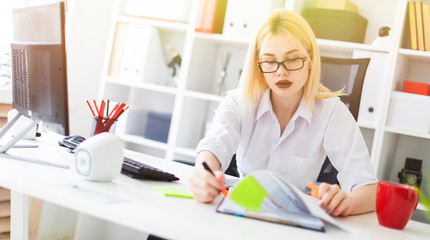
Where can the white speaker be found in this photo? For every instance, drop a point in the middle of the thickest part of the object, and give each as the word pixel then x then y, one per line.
pixel 100 157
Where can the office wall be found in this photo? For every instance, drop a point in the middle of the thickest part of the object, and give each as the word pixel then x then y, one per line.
pixel 88 23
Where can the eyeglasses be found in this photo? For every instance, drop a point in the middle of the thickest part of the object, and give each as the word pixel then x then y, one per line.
pixel 292 64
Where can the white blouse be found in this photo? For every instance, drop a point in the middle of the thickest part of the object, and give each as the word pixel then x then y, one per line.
pixel 300 151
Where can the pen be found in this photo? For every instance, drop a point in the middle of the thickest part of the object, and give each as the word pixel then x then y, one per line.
pixel 107 109
pixel 224 190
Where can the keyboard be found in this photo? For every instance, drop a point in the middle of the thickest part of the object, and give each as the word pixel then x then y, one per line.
pixel 138 170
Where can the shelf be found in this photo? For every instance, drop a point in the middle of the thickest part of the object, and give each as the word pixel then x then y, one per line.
pixel 347 47
pixel 407 133
pixel 367 125
pixel 193 103
pixel 203 96
pixel 221 38
pixel 325 44
pixel 143 141
pixel 141 85
pixel 171 26
pixel 415 54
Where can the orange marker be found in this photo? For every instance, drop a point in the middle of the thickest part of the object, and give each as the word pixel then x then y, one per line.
pixel 224 190
pixel 314 189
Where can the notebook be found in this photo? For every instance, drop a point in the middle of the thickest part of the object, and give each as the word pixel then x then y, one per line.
pixel 266 195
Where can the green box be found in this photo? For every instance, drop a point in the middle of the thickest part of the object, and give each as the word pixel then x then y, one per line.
pixel 336 24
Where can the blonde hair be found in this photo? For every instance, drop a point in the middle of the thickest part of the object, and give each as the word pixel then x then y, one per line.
pixel 282 21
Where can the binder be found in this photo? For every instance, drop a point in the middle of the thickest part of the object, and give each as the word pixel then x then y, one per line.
pixel 241 19
pixel 371 102
pixel 419 22
pixel 412 25
pixel 426 25
pixel 201 16
pixel 211 16
pixel 143 56
pixel 117 49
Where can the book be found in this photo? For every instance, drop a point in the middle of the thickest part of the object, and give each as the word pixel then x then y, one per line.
pixel 412 25
pixel 419 23
pixel 426 25
pixel 266 195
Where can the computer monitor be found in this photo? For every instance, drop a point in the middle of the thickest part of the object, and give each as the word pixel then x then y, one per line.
pixel 39 69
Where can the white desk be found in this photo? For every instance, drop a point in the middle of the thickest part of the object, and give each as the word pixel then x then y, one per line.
pixel 147 210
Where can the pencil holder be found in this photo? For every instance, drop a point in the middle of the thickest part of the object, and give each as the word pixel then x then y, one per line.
pixel 103 125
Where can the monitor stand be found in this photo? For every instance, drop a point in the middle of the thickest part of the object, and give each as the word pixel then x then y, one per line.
pixel 4 148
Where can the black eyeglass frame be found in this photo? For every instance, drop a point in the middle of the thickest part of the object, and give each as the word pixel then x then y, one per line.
pixel 283 64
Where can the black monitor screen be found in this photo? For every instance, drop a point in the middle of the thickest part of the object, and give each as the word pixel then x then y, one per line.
pixel 39 71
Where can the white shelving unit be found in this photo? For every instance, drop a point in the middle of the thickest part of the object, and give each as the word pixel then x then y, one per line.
pixel 192 101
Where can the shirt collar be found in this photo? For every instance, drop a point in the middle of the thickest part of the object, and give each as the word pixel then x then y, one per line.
pixel 265 105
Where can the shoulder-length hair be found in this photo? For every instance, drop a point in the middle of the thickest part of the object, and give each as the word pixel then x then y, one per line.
pixel 282 21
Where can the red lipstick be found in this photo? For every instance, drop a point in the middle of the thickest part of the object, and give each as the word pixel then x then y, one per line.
pixel 283 84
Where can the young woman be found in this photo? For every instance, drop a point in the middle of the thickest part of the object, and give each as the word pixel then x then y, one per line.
pixel 281 118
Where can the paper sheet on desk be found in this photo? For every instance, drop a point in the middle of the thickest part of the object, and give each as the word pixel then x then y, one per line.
pixel 90 194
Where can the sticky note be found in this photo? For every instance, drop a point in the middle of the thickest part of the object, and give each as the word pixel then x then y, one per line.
pixel 175 192
pixel 248 193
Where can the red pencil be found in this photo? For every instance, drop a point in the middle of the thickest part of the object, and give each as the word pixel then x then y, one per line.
pixel 113 110
pixel 118 111
pixel 102 108
pixel 97 110
pixel 89 105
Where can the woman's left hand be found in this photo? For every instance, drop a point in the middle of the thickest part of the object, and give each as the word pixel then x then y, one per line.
pixel 333 200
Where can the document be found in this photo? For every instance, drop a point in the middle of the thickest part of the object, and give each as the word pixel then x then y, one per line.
pixel 266 195
pixel 90 194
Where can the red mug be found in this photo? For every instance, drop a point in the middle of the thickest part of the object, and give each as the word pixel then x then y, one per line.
pixel 395 203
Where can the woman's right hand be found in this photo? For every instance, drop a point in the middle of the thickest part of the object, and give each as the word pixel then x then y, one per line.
pixel 205 186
